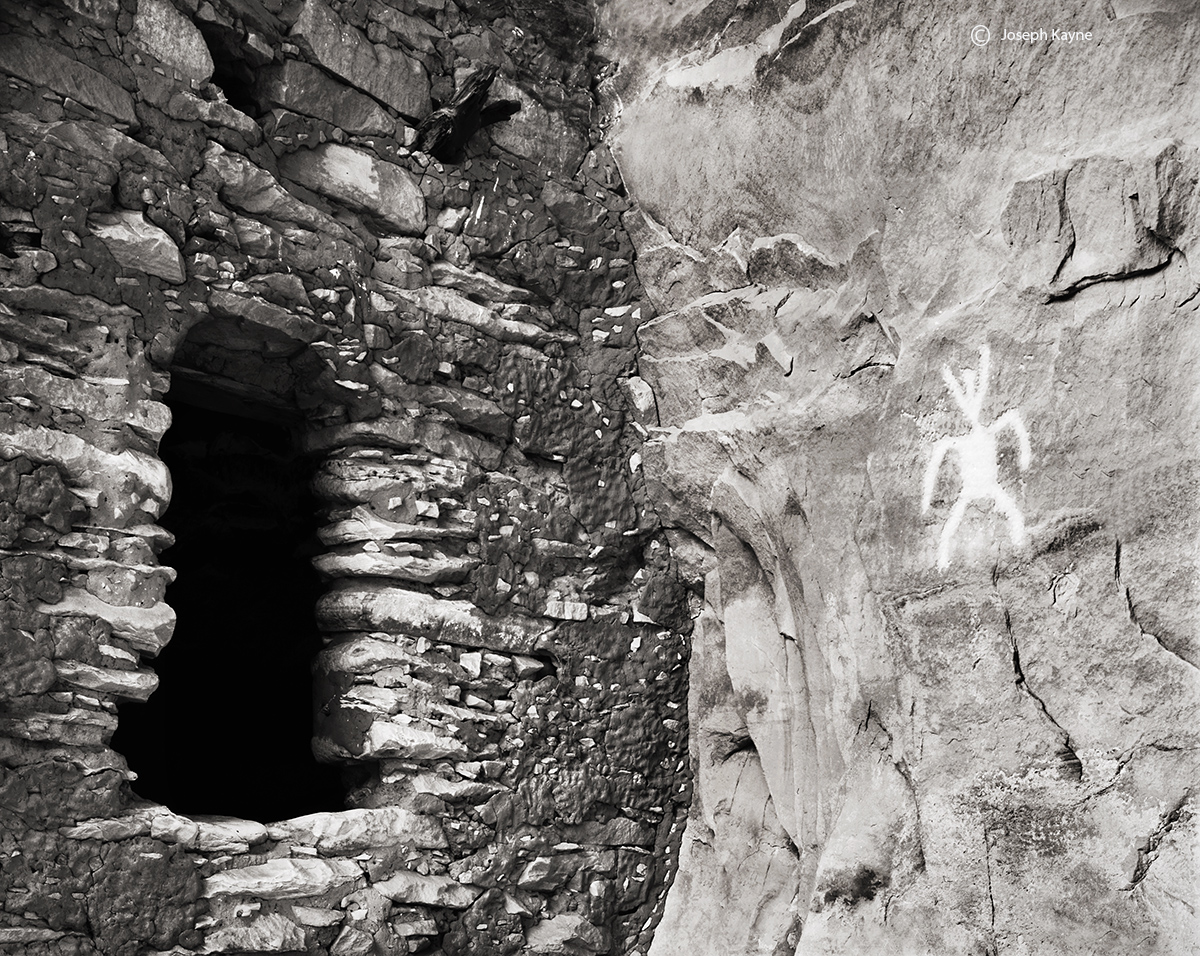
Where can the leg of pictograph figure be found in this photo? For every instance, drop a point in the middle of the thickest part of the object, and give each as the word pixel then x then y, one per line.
pixel 1016 521
pixel 956 516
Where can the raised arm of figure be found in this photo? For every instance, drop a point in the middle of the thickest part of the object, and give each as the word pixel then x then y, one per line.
pixel 981 378
pixel 1012 419
pixel 956 391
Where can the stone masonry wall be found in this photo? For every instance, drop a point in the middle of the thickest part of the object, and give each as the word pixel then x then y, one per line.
pixel 227 193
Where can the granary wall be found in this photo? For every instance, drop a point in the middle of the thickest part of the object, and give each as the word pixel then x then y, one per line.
pixel 228 197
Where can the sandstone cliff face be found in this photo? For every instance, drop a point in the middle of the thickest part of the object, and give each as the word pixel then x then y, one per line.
pixel 925 366
pixel 224 199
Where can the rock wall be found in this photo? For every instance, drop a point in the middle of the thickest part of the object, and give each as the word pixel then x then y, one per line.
pixel 903 385
pixel 925 366
pixel 225 199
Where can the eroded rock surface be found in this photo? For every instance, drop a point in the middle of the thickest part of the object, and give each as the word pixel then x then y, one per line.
pixel 924 366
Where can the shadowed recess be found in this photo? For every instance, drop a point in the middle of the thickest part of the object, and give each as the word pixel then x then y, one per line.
pixel 228 731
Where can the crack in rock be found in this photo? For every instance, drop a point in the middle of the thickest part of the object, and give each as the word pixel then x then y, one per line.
pixel 1148 852
pixel 1067 755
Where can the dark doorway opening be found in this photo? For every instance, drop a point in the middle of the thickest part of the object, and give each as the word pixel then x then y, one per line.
pixel 234 64
pixel 228 731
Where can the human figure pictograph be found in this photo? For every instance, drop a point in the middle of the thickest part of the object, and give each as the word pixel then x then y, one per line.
pixel 978 458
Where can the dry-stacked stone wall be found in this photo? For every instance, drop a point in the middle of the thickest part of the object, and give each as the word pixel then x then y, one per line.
pixel 228 195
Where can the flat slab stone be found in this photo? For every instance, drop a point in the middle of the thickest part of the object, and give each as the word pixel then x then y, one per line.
pixel 283 879
pixel 568 930
pixel 264 314
pixel 303 88
pixel 373 607
pixel 389 75
pixel 364 525
pixel 112 828
pixel 138 244
pixel 548 872
pixel 352 942
pixel 567 610
pixel 79 726
pixel 357 178
pixel 477 284
pixel 386 738
pixel 169 36
pixel 147 629
pixel 405 567
pixel 413 31
pixel 409 887
pixel 103 13
pixel 316 915
pixel 206 833
pixel 28 934
pixel 348 831
pixel 250 188
pixel 130 685
pixel 88 466
pixel 619 831
pixel 86 308
pixel 227 834
pixel 271 933
pixel 105 145
pixel 185 106
pixel 363 655
pixel 446 304
pixel 40 64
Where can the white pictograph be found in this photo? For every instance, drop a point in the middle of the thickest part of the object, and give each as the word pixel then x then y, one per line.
pixel 978 464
